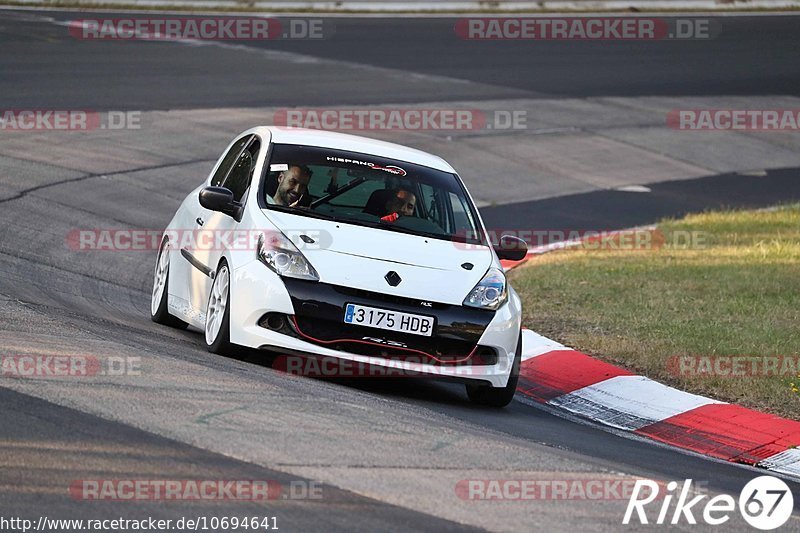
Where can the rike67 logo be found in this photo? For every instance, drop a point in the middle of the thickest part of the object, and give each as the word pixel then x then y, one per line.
pixel 765 503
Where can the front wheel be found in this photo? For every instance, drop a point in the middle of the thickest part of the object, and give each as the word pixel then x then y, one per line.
pixel 498 396
pixel 218 313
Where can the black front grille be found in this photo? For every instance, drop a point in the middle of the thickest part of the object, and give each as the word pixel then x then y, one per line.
pixel 319 318
pixel 328 330
pixel 383 297
pixel 389 344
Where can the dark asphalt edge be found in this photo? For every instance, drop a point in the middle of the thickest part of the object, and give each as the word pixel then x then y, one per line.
pixel 607 210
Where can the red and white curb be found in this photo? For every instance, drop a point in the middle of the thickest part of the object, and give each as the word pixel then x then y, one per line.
pixel 558 376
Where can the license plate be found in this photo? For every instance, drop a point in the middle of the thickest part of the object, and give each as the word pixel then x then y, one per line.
pixel 373 317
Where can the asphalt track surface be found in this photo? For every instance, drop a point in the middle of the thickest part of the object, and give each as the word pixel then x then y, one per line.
pixel 388 452
pixel 613 210
pixel 750 56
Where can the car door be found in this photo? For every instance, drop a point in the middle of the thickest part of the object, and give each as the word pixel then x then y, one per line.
pixel 188 220
pixel 218 229
pixel 191 255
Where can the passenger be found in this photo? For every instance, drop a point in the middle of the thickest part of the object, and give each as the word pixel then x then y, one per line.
pixel 401 204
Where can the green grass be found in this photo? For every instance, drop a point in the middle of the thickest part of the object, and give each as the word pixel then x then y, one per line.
pixel 737 293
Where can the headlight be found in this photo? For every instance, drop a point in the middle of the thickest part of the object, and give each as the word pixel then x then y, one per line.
pixel 279 253
pixel 490 292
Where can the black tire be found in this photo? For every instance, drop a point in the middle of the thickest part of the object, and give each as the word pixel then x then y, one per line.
pixel 161 315
pixel 498 396
pixel 222 343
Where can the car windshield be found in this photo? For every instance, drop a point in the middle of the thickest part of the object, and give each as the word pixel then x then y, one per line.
pixel 369 191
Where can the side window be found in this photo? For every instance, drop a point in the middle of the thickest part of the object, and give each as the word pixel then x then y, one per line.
pixel 228 161
pixel 462 215
pixel 239 177
pixel 429 204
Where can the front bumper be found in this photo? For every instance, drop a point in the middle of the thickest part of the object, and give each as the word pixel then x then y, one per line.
pixel 467 344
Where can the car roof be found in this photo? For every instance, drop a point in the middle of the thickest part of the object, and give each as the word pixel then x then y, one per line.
pixel 355 143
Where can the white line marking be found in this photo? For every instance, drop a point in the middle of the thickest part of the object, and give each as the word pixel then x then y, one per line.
pixel 629 402
pixel 534 344
pixel 787 462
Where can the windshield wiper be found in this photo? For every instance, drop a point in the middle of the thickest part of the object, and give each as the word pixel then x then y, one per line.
pixel 325 199
pixel 420 233
pixel 305 211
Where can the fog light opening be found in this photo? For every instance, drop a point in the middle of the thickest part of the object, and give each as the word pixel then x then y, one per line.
pixel 275 322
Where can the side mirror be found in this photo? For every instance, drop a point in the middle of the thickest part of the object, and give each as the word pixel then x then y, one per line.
pixel 220 199
pixel 511 248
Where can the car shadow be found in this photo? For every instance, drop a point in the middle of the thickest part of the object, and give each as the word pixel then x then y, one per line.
pixel 412 388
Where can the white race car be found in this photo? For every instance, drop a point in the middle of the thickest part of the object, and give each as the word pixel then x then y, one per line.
pixel 313 242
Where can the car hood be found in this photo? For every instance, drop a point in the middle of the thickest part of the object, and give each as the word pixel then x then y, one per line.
pixel 361 257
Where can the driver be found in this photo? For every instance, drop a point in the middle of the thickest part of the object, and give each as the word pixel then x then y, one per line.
pixel 401 204
pixel 292 186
